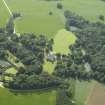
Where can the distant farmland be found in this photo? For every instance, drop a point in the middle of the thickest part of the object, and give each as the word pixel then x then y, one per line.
pixel 34 98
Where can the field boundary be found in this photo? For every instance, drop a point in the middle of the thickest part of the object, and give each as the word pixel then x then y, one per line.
pixel 33 90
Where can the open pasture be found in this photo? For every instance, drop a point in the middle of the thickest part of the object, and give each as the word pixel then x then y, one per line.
pixel 36 16
pixel 34 98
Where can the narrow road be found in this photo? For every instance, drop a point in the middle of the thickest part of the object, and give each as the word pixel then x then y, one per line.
pixel 10 12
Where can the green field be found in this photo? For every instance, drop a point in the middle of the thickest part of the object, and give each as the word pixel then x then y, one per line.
pixel 82 91
pixel 89 9
pixel 35 16
pixel 62 40
pixel 37 98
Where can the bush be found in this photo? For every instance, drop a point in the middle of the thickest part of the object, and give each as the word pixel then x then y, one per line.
pixel 59 6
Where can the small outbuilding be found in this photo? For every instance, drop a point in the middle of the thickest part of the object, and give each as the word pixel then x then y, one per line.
pixel 51 57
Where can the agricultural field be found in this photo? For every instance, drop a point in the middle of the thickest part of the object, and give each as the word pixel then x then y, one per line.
pixel 41 98
pixel 83 91
pixel 43 17
pixel 35 16
pixel 63 40
pixel 89 9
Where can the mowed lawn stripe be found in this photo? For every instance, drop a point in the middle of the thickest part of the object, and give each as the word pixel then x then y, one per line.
pixel 89 9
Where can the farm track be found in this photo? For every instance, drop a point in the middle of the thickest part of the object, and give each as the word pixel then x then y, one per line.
pixel 97 95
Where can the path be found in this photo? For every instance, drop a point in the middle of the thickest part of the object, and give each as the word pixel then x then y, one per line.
pixel 10 12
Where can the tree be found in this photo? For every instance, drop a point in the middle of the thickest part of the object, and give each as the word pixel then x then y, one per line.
pixel 59 6
pixel 50 13
pixel 16 15
pixel 2 30
pixel 10 25
pixel 101 17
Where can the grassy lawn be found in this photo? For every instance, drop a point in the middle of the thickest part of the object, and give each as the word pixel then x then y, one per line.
pixel 62 40
pixel 89 9
pixel 35 16
pixel 11 58
pixel 49 67
pixel 3 14
pixel 37 98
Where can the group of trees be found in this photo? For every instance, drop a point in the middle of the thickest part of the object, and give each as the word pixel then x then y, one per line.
pixel 25 81
pixel 16 15
pixel 103 0
pixel 93 42
pixel 74 20
pixel 91 38
pixel 59 6
pixel 64 97
pixel 101 17
pixel 30 50
pixel 73 65
pixel 86 59
pixel 10 24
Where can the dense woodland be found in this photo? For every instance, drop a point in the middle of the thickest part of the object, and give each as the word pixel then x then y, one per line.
pixel 91 39
pixel 30 50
